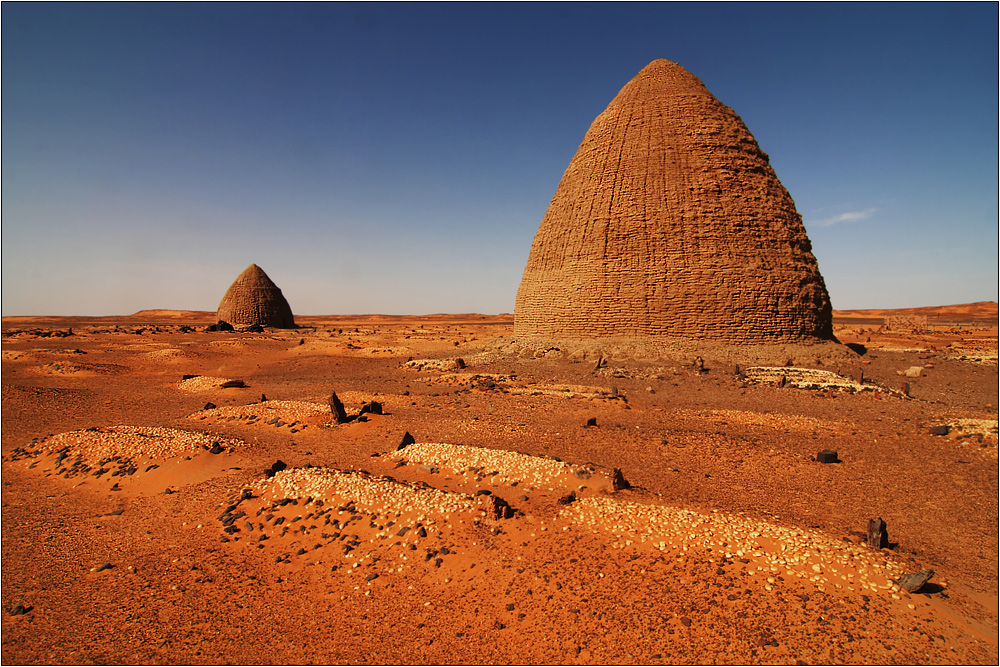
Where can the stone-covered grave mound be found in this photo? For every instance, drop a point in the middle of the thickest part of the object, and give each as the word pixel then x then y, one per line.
pixel 382 529
pixel 509 384
pixel 762 548
pixel 128 458
pixel 200 383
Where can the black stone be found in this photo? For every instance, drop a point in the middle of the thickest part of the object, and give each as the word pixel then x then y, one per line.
pixel 940 430
pixel 337 409
pixel 827 456
pixel 216 448
pixel 877 535
pixel 911 583
pixel 209 406
pixel 407 440
pixel 19 610
pixel 591 422
pixel 618 481
pixel 275 468
pixel 567 499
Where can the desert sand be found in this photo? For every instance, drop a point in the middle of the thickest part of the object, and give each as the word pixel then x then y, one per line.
pixel 548 510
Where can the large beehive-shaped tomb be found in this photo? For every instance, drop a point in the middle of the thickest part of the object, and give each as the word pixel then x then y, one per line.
pixel 254 299
pixel 670 223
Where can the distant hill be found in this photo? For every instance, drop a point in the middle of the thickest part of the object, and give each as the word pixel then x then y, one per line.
pixel 981 312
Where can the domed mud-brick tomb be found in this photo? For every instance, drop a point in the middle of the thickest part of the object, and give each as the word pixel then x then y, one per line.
pixel 670 224
pixel 253 299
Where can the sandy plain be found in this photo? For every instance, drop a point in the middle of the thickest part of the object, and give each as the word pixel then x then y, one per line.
pixel 733 544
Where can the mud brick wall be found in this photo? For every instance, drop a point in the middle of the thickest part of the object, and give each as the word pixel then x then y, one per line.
pixel 670 221
pixel 254 299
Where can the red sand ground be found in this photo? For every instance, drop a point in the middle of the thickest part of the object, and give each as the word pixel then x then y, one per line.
pixel 540 586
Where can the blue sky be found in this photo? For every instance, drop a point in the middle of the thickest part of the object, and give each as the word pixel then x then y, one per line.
pixel 398 158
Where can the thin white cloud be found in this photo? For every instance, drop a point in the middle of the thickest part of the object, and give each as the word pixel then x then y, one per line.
pixel 850 216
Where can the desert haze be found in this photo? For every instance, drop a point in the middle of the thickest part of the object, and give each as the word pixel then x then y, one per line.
pixel 178 495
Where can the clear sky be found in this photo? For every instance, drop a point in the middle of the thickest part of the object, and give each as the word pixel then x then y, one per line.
pixel 398 158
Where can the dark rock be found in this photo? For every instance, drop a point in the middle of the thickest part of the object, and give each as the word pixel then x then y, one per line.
pixel 582 473
pixel 337 409
pixel 460 362
pixel 877 536
pixel 216 448
pixel 421 532
pixel 402 531
pixel 209 406
pixel 275 468
pixel 591 422
pixel 103 567
pixel 685 621
pixel 188 377
pixel 497 509
pixel 233 384
pixel 254 328
pixel 263 398
pixel 699 364
pixel 940 430
pixel 567 499
pixel 911 583
pixel 19 610
pixel 827 456
pixel 168 491
pixel 618 481
pixel 407 440
pixel 483 492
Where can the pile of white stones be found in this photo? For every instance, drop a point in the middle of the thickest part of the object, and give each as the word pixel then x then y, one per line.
pixel 771 549
pixel 375 494
pixel 500 466
pixel 201 383
pixel 134 442
pixel 288 411
pixel 804 378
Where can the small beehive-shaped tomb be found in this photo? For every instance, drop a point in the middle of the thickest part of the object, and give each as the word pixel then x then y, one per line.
pixel 670 223
pixel 253 299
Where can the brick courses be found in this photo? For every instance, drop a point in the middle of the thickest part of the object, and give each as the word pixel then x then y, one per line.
pixel 670 223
